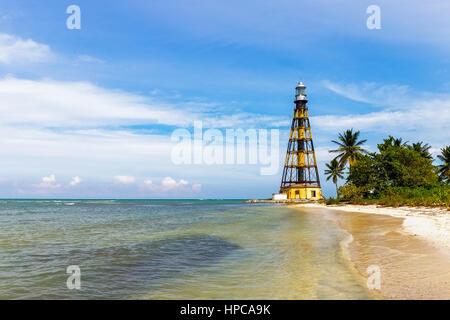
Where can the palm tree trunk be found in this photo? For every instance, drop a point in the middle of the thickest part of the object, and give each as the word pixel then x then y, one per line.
pixel 336 190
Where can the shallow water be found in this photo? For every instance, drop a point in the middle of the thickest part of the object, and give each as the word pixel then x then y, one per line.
pixel 180 249
pixel 410 267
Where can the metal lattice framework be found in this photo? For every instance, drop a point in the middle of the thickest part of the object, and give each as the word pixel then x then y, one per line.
pixel 300 166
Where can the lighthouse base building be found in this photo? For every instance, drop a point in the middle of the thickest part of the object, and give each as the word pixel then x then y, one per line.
pixel 298 192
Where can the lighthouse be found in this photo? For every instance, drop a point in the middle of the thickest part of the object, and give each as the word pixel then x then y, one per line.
pixel 300 179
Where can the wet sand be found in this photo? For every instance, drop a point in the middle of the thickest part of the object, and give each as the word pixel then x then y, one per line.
pixel 411 267
pixel 432 224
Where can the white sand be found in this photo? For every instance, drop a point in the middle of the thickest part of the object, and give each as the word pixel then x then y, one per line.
pixel 433 224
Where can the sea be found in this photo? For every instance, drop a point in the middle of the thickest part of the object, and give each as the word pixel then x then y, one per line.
pixel 172 249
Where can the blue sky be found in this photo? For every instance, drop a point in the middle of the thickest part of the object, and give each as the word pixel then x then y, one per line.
pixel 90 112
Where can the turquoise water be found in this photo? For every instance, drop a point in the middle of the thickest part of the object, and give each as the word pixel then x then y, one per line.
pixel 171 249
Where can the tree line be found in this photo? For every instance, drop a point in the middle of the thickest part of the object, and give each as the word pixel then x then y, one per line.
pixel 398 173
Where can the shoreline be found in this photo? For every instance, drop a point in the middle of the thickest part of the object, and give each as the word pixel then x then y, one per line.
pixel 431 224
pixel 410 246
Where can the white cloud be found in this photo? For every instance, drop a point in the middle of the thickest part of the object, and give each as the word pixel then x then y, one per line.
pixel 78 104
pixel 89 59
pixel 75 124
pixel 47 103
pixel 170 184
pixel 49 179
pixel 323 154
pixel 75 180
pixel 124 179
pixel 425 115
pixel 370 92
pixel 49 183
pixel 17 50
pixel 83 126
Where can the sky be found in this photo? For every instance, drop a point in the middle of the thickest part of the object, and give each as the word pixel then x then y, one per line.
pixel 92 112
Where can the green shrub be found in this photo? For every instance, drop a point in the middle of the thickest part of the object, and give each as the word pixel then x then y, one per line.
pixel 438 195
pixel 332 201
pixel 351 192
pixel 419 196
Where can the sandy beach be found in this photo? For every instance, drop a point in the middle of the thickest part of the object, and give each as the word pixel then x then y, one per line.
pixel 411 246
pixel 432 224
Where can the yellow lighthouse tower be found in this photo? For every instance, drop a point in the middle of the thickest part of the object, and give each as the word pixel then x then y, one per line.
pixel 300 178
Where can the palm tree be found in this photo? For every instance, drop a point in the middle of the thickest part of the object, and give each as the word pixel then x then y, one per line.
pixel 335 171
pixel 392 142
pixel 398 142
pixel 421 148
pixel 444 169
pixel 349 147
